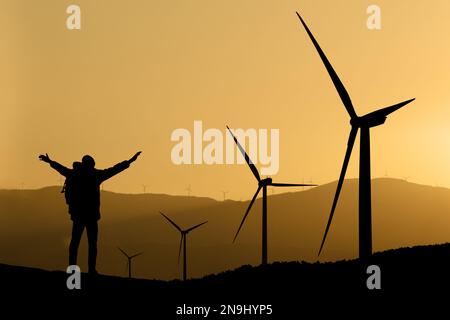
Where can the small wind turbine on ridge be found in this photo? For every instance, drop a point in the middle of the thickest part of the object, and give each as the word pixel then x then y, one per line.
pixel 129 259
pixel 182 241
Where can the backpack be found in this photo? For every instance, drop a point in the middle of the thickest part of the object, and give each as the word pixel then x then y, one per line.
pixel 68 189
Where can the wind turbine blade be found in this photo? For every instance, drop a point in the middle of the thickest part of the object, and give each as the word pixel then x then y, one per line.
pixel 388 110
pixel 247 158
pixel 351 142
pixel 181 244
pixel 292 185
pixel 126 255
pixel 170 220
pixel 195 227
pixel 334 77
pixel 137 254
pixel 246 212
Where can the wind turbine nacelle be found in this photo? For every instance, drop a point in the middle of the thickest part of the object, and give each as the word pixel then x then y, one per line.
pixel 368 121
pixel 265 182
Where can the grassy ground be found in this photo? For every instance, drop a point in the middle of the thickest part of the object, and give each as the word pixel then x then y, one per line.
pixel 288 287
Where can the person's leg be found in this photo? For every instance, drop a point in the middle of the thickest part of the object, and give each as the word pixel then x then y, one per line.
pixel 92 234
pixel 77 232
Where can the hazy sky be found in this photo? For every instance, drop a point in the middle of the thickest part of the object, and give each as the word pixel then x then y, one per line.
pixel 137 70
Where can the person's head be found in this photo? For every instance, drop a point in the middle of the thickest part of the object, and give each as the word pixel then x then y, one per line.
pixel 76 165
pixel 88 162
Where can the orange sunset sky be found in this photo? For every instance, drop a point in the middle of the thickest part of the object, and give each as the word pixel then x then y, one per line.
pixel 137 70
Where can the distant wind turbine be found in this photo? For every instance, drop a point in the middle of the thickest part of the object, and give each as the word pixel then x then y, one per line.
pixel 129 259
pixel 182 241
pixel 224 195
pixel 363 123
pixel 188 189
pixel 262 184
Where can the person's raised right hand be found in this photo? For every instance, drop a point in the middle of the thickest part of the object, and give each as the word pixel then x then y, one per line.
pixel 44 157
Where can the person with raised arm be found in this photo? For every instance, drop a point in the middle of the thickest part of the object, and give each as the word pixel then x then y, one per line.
pixel 82 191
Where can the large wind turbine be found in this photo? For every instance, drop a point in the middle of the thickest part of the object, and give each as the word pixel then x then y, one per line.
pixel 262 184
pixel 129 258
pixel 364 123
pixel 183 241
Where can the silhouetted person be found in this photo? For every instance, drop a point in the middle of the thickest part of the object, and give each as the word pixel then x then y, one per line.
pixel 83 200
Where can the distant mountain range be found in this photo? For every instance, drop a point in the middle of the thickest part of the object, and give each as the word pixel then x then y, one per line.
pixel 35 227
